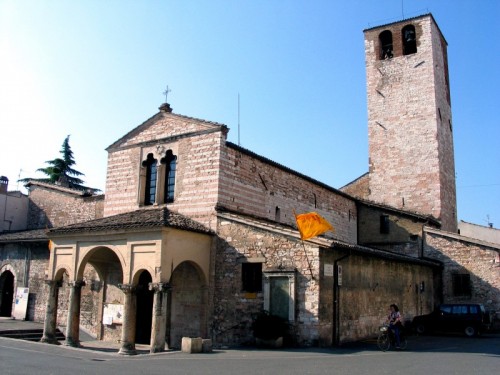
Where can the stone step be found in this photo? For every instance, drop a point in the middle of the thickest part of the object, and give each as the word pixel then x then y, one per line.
pixel 29 334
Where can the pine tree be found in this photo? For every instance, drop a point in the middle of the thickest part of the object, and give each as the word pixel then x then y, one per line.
pixel 60 172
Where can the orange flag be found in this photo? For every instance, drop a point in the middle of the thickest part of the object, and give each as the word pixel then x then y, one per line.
pixel 311 225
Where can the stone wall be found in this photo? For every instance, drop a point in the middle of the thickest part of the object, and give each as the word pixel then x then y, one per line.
pixel 235 309
pixel 463 255
pixel 369 286
pixel 359 188
pixel 52 207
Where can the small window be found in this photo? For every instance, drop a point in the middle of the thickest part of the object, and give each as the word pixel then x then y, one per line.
pixel 170 161
pixel 473 309
pixel 386 48
pixel 277 214
pixel 384 224
pixel 461 285
pixel 151 171
pixel 409 40
pixel 251 277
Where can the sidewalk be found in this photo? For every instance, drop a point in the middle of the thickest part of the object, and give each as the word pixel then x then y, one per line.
pixel 86 341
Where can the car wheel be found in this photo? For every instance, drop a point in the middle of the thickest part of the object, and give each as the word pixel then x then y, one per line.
pixel 470 331
pixel 420 328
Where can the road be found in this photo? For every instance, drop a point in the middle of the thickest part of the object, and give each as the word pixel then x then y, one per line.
pixel 425 355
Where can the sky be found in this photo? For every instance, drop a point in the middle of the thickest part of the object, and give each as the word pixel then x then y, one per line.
pixel 96 69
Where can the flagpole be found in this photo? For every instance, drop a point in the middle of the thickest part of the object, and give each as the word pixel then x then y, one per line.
pixel 307 259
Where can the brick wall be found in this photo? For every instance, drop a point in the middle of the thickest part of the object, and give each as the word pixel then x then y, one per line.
pixel 409 115
pixel 253 186
pixel 464 255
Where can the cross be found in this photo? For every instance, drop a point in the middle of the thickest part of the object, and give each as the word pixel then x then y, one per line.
pixel 166 93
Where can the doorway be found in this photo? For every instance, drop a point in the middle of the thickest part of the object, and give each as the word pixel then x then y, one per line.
pixel 6 293
pixel 144 317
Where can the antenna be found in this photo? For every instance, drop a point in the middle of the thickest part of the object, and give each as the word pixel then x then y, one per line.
pixel 18 178
pixel 238 119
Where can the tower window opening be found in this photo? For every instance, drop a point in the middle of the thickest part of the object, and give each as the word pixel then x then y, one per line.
pixel 409 40
pixel 384 224
pixel 386 48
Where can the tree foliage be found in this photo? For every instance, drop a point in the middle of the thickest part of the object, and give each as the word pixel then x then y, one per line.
pixel 60 171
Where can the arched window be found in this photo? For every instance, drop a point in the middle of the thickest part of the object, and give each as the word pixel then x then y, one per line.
pixel 151 171
pixel 409 40
pixel 386 49
pixel 170 161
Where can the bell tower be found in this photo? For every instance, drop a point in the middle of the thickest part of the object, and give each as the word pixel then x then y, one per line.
pixel 411 158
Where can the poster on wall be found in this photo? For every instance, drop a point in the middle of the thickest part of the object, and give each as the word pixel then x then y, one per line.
pixel 113 314
pixel 21 303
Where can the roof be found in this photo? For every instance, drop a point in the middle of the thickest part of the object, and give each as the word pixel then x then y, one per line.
pixel 35 235
pixel 48 185
pixel 140 219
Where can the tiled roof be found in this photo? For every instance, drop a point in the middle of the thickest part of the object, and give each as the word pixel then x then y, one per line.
pixel 24 236
pixel 144 218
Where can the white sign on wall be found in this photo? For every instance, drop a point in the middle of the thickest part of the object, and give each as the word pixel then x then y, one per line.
pixel 21 306
pixel 113 314
pixel 328 270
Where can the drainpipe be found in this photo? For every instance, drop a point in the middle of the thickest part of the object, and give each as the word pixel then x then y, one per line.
pixel 336 301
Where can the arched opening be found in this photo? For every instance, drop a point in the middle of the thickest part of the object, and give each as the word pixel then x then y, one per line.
pixel 151 171
pixel 6 293
pixel 188 304
pixel 144 313
pixel 170 161
pixel 101 296
pixel 386 48
pixel 409 40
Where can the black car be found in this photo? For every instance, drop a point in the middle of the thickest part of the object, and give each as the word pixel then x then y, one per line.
pixel 471 319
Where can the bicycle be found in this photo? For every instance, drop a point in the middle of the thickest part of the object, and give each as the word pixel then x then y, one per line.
pixel 386 338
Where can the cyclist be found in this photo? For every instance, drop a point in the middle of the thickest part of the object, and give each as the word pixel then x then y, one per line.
pixel 394 320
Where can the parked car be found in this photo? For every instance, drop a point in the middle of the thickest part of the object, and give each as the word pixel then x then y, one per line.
pixel 469 318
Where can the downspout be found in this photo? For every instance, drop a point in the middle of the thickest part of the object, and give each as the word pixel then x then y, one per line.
pixel 336 302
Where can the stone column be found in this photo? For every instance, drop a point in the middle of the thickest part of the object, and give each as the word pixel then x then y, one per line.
pixel 73 326
pixel 129 316
pixel 49 326
pixel 159 326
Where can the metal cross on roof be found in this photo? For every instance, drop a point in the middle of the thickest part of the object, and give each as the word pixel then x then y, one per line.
pixel 166 93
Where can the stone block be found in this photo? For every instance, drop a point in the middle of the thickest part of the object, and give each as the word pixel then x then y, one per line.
pixel 206 346
pixel 192 344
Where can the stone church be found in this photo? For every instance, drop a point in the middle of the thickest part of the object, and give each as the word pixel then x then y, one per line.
pixel 196 236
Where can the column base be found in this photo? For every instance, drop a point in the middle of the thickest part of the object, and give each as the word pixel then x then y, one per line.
pixel 50 340
pixel 72 343
pixel 127 349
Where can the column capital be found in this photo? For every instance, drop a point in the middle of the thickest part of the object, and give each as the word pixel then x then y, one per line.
pixel 53 283
pixel 127 288
pixel 160 287
pixel 76 283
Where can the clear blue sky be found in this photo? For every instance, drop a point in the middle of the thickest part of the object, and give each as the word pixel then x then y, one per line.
pixel 97 69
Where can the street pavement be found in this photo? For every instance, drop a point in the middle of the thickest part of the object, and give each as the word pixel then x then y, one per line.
pixel 425 354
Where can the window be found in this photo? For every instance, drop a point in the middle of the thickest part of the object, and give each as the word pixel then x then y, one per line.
pixel 409 40
pixel 279 294
pixel 151 171
pixel 384 224
pixel 251 277
pixel 277 214
pixel 170 161
pixel 386 49
pixel 461 284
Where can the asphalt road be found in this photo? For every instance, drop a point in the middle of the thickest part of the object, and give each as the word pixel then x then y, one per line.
pixel 425 355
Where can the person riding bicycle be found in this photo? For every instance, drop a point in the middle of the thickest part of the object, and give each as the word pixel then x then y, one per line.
pixel 394 320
